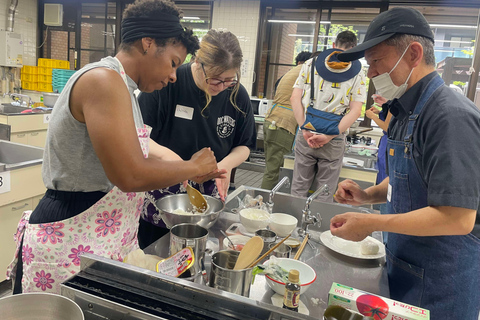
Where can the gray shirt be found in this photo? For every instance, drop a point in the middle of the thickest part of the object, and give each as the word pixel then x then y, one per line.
pixel 69 161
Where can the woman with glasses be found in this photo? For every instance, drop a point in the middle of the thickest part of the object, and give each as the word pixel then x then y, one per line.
pixel 206 107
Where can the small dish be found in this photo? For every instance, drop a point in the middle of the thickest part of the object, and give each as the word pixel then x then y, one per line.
pixel 292 243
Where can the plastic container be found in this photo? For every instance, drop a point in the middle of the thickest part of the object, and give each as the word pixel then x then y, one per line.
pixel 42 62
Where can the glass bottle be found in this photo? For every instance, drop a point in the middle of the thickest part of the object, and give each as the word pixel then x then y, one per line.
pixel 291 297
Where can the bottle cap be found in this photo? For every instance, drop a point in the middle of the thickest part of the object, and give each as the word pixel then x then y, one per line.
pixel 293 276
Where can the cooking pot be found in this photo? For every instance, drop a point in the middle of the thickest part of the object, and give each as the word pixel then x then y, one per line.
pixel 39 306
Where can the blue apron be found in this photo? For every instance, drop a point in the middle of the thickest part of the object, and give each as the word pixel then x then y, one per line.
pixel 439 273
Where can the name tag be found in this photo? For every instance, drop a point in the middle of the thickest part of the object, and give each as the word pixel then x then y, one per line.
pixel 389 193
pixel 184 112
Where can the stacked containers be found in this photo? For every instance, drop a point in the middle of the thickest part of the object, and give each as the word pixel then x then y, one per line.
pixel 60 78
pixel 45 73
pixel 29 77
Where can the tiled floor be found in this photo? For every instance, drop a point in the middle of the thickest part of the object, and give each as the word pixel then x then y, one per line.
pixel 248 178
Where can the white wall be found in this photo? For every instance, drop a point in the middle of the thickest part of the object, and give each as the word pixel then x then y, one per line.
pixel 241 18
pixel 26 24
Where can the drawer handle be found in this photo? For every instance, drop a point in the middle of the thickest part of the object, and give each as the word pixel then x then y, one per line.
pixel 21 207
pixel 21 135
pixel 34 133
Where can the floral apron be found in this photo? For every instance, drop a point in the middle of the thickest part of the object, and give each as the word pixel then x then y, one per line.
pixel 109 228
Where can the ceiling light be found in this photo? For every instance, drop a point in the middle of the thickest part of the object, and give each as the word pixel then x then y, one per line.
pixel 454 41
pixel 459 26
pixel 298 22
pixel 191 18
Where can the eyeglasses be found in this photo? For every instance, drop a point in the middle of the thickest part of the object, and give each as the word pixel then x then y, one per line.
pixel 217 82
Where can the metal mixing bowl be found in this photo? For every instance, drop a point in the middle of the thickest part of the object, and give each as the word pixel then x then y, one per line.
pixel 168 204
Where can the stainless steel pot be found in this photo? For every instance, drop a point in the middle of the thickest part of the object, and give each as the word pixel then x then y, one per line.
pixel 39 306
pixel 168 204
pixel 193 236
pixel 222 275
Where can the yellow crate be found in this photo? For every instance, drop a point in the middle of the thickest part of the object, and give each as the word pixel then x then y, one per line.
pixel 29 70
pixel 45 78
pixel 45 71
pixel 29 77
pixel 29 85
pixel 48 63
pixel 43 86
pixel 61 64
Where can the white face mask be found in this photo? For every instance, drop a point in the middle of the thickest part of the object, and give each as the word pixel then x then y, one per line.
pixel 385 86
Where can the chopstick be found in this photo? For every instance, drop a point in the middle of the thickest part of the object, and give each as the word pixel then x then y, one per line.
pixel 268 252
pixel 302 246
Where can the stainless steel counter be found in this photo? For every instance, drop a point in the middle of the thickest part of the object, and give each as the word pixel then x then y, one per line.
pixel 367 275
pixel 15 155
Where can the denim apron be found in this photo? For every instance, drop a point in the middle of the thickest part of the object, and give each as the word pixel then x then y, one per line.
pixel 438 273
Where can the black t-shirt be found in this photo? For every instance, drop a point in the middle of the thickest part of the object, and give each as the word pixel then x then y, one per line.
pixel 175 115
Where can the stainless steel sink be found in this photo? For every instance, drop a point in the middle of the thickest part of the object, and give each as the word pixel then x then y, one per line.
pixel 7 108
pixel 15 155
pixel 286 203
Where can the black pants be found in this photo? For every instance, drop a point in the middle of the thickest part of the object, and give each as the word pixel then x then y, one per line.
pixel 149 233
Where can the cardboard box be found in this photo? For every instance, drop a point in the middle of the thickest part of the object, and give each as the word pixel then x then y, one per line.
pixel 377 307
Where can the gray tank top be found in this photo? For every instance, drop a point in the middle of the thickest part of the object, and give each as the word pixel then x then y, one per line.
pixel 69 160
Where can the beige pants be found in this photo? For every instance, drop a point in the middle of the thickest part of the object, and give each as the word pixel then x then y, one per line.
pixel 318 166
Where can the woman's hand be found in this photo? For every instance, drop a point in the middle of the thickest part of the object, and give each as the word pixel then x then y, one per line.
pixel 372 113
pixel 205 162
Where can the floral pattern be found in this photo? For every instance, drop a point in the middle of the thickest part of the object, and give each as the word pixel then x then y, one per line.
pixel 100 229
pixel 43 280
pixel 108 223
pixel 76 252
pixel 51 232
pixel 27 255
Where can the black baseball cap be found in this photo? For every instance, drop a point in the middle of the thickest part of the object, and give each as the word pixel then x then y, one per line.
pixel 399 20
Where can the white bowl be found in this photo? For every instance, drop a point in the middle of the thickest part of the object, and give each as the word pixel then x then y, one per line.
pixel 238 240
pixel 307 275
pixel 282 224
pixel 371 149
pixel 357 147
pixel 253 219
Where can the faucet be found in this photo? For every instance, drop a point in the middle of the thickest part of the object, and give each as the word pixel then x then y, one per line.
pixel 22 97
pixel 284 182
pixel 308 218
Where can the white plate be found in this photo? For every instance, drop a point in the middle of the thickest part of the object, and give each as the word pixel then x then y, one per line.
pixel 350 248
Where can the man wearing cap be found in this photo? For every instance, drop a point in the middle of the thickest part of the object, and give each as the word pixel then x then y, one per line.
pixel 433 188
pixel 337 88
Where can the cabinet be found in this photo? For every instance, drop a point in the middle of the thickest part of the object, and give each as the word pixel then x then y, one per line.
pixel 29 129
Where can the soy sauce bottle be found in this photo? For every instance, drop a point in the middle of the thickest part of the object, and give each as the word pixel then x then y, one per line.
pixel 291 297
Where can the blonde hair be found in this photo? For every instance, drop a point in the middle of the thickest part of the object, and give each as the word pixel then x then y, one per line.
pixel 220 51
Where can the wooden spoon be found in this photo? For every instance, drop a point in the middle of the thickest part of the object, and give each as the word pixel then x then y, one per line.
pixel 196 199
pixel 249 253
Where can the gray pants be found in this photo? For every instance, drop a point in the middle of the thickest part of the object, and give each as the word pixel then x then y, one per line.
pixel 321 166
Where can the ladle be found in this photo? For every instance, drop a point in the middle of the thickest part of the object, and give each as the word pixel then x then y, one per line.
pixel 196 199
pixel 249 253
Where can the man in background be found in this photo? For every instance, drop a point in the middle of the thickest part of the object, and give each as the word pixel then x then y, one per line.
pixel 299 59
pixel 280 126
pixel 338 88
